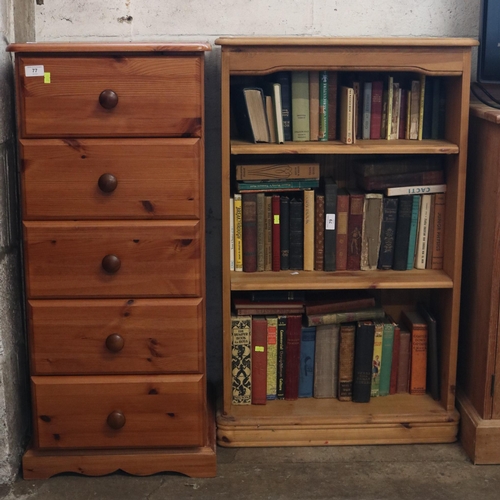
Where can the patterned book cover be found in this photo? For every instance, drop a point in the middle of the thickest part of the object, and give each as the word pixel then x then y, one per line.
pixel 241 359
pixel 346 360
pixel 319 232
pixel 281 348
pixel 272 356
pixel 377 358
pixel 307 352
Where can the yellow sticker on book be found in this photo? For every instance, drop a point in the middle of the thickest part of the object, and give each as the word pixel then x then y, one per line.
pixel 276 219
pixel 46 78
pixel 259 348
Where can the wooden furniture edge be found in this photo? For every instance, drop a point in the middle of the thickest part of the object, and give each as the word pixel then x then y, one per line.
pixel 480 110
pixel 76 47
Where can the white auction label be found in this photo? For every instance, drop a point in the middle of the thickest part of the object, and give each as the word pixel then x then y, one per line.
pixel 330 221
pixel 34 70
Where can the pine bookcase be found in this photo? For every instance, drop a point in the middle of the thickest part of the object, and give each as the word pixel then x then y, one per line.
pixel 400 418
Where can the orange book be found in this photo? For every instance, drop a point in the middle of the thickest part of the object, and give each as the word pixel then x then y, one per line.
pixel 418 357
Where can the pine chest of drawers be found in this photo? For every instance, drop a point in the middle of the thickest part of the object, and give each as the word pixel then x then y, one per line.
pixel 111 141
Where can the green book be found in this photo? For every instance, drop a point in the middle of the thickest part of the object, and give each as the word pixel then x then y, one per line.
pixel 377 358
pixel 385 369
pixel 415 210
pixel 300 106
pixel 323 106
pixel 278 186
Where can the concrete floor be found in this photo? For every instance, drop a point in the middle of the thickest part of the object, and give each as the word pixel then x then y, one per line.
pixel 429 472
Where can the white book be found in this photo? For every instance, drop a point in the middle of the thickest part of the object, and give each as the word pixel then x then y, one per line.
pixel 423 231
pixel 367 109
pixel 231 234
pixel 432 188
pixel 278 114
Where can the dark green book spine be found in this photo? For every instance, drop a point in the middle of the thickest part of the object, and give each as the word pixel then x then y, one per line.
pixel 363 360
pixel 402 239
pixel 283 78
pixel 330 222
pixel 296 233
pixel 323 106
pixel 284 233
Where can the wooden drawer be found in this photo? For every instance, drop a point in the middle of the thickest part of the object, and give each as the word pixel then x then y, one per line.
pixel 99 178
pixel 154 258
pixel 85 412
pixel 116 336
pixel 156 96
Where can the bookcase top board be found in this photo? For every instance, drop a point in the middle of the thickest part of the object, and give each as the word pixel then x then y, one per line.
pixel 109 47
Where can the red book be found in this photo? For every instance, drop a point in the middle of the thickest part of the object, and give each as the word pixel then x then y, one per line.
pixel 354 229
pixel 393 389
pixel 292 356
pixel 276 232
pixel 249 209
pixel 342 222
pixel 376 111
pixel 259 360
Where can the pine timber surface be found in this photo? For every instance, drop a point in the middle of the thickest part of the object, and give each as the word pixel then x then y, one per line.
pixel 107 47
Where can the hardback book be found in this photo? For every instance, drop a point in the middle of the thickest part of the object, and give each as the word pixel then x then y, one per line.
pixel 273 90
pixel 313 105
pixel 428 258
pixel 432 352
pixel 268 233
pixel 402 233
pixel 238 233
pixel 281 348
pixel 412 240
pixel 277 171
pixel 309 236
pixel 355 111
pixel 421 103
pixel 330 250
pixel 427 114
pixel 261 220
pixel 367 108
pixel 283 78
pixel 423 232
pixel 381 182
pixel 393 388
pixel 284 233
pixel 319 232
pixel 388 232
pixel 377 358
pixel 300 105
pixel 241 360
pixel 385 102
pixel 389 107
pixel 414 108
pixel 408 114
pixel 403 113
pixel 396 109
pixel 345 316
pixel 259 360
pixel 438 231
pixel 376 110
pixel 344 304
pixel 277 295
pixel 355 229
pixel 292 348
pixel 438 101
pixel 397 165
pixel 427 189
pixel 372 224
pixel 276 232
pixel 346 114
pixel 296 259
pixel 387 347
pixel 363 360
pixel 272 356
pixel 271 120
pixel 323 106
pixel 419 332
pixel 288 185
pixel 307 352
pixel 332 105
pixel 231 233
pixel 341 223
pixel 346 360
pixel 249 209
pixel 404 361
pixel 326 361
pixel 246 307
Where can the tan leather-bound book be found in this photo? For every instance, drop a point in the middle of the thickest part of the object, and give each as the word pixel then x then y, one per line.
pixel 346 360
pixel 326 361
pixel 418 358
pixel 309 230
pixel 372 223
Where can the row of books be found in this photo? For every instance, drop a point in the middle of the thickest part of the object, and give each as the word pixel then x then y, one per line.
pixel 328 105
pixel 282 357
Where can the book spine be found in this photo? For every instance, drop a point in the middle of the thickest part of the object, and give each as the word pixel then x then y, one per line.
pixel 404 361
pixel 277 172
pixel 432 353
pixel 319 232
pixel 293 333
pixel 367 109
pixel 278 185
pixel 346 361
pixel 393 388
pixel 238 233
pixel 418 363
pixel 296 234
pixel 355 228
pixel 313 105
pixel 346 114
pixel 345 317
pixel 241 360
pixel 270 118
pixel 388 232
pixel 376 110
pixel 276 251
pixel 414 106
pixel 306 369
pixel 332 105
pixel 385 369
pixel 421 102
pixel 330 224
pixel 396 105
pixel 249 204
pixel 372 223
pixel 380 182
pixel 268 234
pixel 403 113
pixel 309 236
pixel 438 229
pixel 404 190
pixel 259 360
pixel 415 211
pixel 363 359
pixel 423 232
pixel 272 356
pixel 402 233
pixel 281 348
pixel 428 101
pixel 323 106
pixel 390 100
pixel 231 234
pixel 377 358
pixel 326 361
pixel 430 239
pixel 342 229
pixel 341 306
pixel 284 233
pixel 283 78
pixel 261 220
pixel 401 165
pixel 300 105
pixel 251 311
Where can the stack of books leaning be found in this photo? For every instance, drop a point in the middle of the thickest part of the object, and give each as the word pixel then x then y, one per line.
pixel 330 105
pixel 354 352
pixel 285 216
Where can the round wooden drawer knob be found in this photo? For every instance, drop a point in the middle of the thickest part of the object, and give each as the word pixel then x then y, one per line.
pixel 116 419
pixel 111 263
pixel 107 183
pixel 108 99
pixel 114 342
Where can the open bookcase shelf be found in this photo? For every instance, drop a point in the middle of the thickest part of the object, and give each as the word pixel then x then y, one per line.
pixel 397 418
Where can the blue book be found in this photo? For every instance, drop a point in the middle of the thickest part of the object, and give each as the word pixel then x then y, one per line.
pixel 413 231
pixel 307 349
